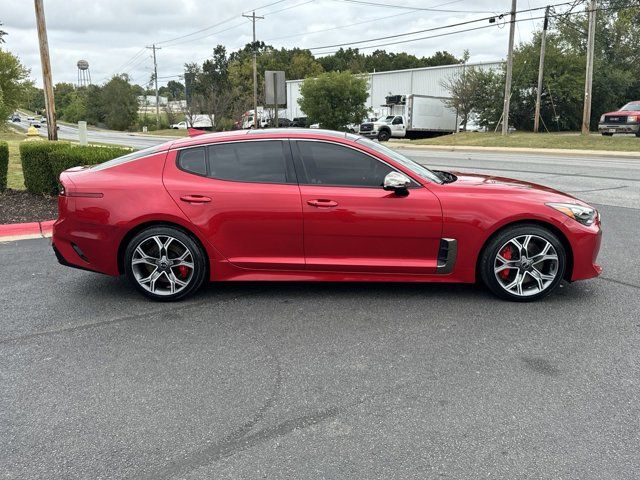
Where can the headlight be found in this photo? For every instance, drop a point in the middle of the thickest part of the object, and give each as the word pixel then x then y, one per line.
pixel 632 118
pixel 584 215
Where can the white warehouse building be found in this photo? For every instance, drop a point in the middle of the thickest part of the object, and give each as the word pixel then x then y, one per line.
pixel 417 81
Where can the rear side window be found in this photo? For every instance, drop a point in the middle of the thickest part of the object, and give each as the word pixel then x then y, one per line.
pixel 193 160
pixel 329 164
pixel 263 161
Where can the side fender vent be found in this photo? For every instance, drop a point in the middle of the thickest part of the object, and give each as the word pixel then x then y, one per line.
pixel 447 255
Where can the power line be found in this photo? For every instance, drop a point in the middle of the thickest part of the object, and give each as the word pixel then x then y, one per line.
pixel 386 17
pixel 216 24
pixel 414 9
pixel 493 25
pixel 432 29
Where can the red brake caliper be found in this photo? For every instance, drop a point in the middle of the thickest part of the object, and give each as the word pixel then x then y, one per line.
pixel 183 270
pixel 507 255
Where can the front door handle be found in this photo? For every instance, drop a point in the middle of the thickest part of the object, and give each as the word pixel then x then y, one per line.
pixel 322 202
pixel 195 199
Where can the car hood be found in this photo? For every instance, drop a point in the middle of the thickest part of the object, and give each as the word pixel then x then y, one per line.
pixel 510 186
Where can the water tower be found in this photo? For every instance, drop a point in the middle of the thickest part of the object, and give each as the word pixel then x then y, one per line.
pixel 84 75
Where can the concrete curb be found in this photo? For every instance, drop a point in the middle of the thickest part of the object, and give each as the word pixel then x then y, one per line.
pixel 22 231
pixel 548 151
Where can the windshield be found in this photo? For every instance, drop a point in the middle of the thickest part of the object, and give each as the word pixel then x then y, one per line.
pixel 422 172
pixel 634 106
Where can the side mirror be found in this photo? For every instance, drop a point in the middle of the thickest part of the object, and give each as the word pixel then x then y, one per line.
pixel 397 182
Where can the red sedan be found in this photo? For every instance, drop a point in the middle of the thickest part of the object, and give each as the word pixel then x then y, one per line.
pixel 315 205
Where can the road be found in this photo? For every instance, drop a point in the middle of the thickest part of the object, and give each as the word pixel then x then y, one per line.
pixel 69 132
pixel 324 381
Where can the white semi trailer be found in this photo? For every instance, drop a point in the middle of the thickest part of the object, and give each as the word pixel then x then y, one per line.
pixel 412 116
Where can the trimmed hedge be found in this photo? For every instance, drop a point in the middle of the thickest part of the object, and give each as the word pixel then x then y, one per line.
pixel 74 156
pixel 4 165
pixel 43 161
pixel 36 168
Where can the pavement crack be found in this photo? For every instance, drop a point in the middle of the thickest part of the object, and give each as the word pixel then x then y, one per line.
pixel 620 282
pixel 232 445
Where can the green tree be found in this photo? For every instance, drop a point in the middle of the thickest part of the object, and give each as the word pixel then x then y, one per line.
pixel 33 99
pixel 334 99
pixel 119 103
pixel 76 109
pixel 63 93
pixel 14 83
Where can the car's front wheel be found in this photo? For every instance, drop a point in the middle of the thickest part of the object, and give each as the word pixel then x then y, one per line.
pixel 523 263
pixel 165 263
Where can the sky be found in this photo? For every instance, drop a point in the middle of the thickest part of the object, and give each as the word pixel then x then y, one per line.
pixel 112 34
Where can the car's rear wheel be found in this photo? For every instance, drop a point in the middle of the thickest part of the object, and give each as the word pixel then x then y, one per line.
pixel 165 263
pixel 523 263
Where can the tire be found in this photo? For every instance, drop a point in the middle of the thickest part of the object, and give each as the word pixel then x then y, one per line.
pixel 638 134
pixel 167 273
pixel 510 278
pixel 384 135
pixel 607 134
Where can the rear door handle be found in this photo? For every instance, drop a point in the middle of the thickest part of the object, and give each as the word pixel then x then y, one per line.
pixel 322 202
pixel 195 199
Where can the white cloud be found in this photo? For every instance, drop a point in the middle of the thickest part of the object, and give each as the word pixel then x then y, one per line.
pixel 108 33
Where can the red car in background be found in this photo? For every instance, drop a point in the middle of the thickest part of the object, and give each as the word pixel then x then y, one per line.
pixel 625 120
pixel 314 205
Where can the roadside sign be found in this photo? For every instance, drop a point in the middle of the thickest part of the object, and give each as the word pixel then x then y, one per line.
pixel 274 88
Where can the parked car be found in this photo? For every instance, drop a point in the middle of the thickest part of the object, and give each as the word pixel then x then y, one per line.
pixel 285 204
pixel 299 122
pixel 16 119
pixel 624 120
pixel 282 122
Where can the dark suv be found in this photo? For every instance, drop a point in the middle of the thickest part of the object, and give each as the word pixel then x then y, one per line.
pixel 299 122
pixel 625 120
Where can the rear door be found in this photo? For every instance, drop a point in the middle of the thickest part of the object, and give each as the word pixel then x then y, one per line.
pixel 351 224
pixel 244 198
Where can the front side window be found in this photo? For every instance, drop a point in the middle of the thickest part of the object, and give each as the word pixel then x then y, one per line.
pixel 329 164
pixel 263 161
pixel 397 121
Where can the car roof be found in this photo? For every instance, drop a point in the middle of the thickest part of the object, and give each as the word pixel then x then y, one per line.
pixel 266 132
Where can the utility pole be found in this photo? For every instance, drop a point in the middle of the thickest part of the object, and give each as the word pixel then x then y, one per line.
pixel 507 83
pixel 52 129
pixel 256 123
pixel 543 42
pixel 586 112
pixel 155 76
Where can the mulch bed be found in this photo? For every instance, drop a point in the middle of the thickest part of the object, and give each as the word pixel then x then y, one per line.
pixel 19 206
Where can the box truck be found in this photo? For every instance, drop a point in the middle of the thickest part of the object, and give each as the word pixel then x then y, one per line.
pixel 412 116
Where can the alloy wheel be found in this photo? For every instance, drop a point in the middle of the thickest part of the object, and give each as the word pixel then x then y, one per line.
pixel 162 265
pixel 526 265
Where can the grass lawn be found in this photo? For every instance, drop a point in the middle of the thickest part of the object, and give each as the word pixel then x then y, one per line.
pixel 625 143
pixel 168 132
pixel 14 177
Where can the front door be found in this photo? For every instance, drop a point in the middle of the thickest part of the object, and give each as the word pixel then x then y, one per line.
pixel 351 224
pixel 243 197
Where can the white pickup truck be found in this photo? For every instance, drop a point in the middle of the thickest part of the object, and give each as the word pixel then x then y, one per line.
pixel 198 121
pixel 412 116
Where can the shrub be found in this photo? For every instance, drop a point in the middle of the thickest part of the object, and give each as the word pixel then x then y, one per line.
pixel 4 164
pixel 42 162
pixel 36 167
pixel 74 156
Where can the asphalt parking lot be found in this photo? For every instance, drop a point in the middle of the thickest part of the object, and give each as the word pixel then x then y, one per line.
pixel 324 381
